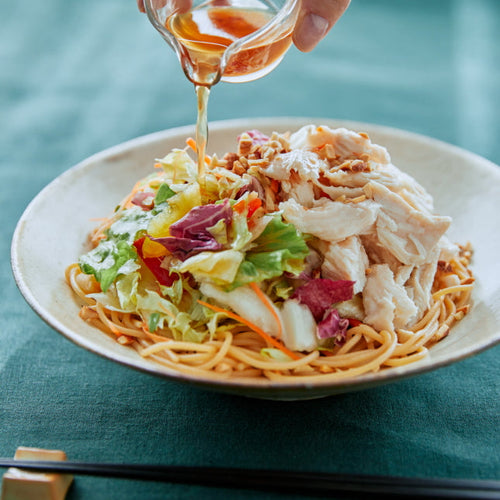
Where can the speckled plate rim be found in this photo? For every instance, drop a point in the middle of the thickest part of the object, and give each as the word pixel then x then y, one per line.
pixel 145 149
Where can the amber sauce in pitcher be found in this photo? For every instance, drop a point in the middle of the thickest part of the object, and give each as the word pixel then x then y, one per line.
pixel 205 34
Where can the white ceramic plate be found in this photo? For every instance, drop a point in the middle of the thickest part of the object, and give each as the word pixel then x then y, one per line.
pixel 465 186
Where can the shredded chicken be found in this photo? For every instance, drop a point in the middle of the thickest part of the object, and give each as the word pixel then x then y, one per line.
pixel 329 220
pixel 345 260
pixel 409 234
pixel 373 223
pixel 386 303
pixel 347 144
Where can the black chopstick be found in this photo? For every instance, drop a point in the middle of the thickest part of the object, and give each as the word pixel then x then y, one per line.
pixel 278 481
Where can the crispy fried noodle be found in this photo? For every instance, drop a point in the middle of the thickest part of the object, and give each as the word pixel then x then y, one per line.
pixel 306 256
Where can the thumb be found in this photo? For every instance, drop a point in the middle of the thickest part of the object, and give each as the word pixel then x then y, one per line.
pixel 315 20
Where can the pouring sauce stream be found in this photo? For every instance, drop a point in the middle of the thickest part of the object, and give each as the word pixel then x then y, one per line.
pixel 205 34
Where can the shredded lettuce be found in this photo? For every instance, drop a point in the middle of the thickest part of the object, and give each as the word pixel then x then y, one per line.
pixel 279 288
pixel 218 267
pixel 179 167
pixel 126 290
pixel 154 319
pixel 130 224
pixel 115 254
pixel 180 323
pixel 279 248
pixel 219 231
pixel 163 194
pixel 224 245
pixel 108 260
pixel 275 354
pixel 175 291
pixel 239 234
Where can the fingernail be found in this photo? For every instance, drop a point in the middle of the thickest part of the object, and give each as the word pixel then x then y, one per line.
pixel 312 29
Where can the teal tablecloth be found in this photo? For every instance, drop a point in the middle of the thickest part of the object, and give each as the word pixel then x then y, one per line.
pixel 77 77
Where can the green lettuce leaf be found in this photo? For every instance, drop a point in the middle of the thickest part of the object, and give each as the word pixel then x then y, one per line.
pixel 153 322
pixel 126 290
pixel 115 254
pixel 131 223
pixel 275 354
pixel 163 194
pixel 157 311
pixel 108 260
pixel 239 234
pixel 280 248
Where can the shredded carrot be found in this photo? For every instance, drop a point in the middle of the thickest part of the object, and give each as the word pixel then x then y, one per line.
pixel 98 234
pixel 158 165
pixel 99 219
pixel 253 205
pixel 97 238
pixel 239 206
pixel 275 186
pixel 255 328
pixel 127 202
pixel 265 300
pixel 191 143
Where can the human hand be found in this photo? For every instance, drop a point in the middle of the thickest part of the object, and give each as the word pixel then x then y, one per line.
pixel 316 18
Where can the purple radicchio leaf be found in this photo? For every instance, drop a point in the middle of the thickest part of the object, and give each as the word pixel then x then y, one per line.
pixel 195 223
pixel 333 326
pixel 189 235
pixel 321 293
pixel 183 248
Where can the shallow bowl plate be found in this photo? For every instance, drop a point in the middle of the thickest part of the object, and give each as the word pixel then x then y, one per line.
pixel 464 186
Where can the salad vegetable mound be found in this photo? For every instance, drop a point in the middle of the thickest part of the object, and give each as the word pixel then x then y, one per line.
pixel 298 256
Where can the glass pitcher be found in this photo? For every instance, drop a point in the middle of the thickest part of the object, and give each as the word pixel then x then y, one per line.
pixel 228 40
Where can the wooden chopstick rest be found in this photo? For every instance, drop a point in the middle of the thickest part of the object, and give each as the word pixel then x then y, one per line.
pixel 19 484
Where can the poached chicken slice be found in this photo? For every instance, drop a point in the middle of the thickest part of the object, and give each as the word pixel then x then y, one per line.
pixel 346 143
pixel 345 260
pixel 330 220
pixel 386 303
pixel 409 234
